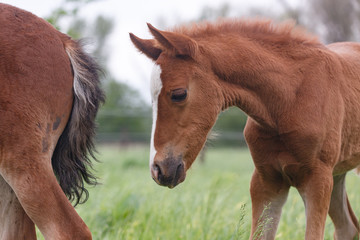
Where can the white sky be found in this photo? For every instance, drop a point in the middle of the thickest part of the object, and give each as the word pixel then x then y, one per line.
pixel 125 63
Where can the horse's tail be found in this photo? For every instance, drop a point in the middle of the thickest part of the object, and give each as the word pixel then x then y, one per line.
pixel 71 160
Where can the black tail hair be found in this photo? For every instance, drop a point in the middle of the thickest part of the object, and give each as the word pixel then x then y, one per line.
pixel 71 160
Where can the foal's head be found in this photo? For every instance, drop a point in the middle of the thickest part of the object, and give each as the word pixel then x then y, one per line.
pixel 185 101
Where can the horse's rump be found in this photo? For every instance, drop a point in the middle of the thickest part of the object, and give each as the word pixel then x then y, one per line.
pixel 49 96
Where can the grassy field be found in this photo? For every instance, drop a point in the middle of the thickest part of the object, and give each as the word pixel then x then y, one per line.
pixel 212 203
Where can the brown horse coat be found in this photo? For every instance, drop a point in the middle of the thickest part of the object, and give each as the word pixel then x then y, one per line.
pixel 49 97
pixel 303 103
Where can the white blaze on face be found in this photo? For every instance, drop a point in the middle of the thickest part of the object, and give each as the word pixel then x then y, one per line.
pixel 155 87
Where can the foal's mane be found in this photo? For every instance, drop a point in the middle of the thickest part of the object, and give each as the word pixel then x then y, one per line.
pixel 252 28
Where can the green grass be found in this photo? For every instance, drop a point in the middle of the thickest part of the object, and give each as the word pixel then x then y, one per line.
pixel 213 202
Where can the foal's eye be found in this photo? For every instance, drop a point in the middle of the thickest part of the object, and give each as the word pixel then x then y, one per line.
pixel 178 95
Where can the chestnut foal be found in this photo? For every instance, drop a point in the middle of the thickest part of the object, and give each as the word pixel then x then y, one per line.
pixel 303 103
pixel 49 97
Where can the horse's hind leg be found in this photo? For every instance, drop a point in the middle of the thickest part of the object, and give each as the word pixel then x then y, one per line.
pixel 25 164
pixel 14 222
pixel 33 181
pixel 346 224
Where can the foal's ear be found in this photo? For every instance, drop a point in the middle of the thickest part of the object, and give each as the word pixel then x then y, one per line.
pixel 176 43
pixel 146 46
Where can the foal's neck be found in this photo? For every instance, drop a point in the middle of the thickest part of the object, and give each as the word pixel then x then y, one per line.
pixel 260 79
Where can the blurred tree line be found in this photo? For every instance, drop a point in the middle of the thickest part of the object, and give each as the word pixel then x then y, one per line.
pixel 126 118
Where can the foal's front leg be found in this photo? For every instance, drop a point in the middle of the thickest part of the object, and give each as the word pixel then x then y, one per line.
pixel 14 222
pixel 267 199
pixel 316 193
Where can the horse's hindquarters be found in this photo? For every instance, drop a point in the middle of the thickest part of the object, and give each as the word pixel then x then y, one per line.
pixel 36 99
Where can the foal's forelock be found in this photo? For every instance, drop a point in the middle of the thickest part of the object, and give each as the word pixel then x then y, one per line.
pixel 155 88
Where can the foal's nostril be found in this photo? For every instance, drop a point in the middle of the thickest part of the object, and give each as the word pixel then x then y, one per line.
pixel 178 169
pixel 178 173
pixel 158 170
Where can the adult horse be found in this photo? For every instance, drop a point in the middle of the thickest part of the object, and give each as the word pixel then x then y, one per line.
pixel 303 103
pixel 49 97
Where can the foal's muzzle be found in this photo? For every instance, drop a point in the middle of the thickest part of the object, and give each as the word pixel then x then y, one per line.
pixel 168 172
